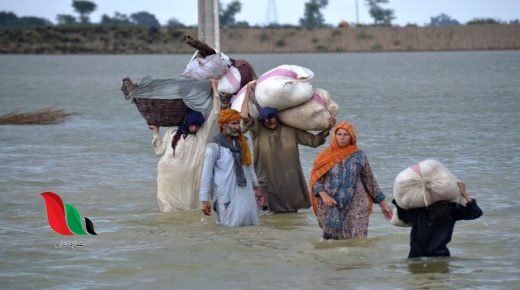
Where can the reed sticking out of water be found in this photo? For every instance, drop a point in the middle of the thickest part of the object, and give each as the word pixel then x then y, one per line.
pixel 44 116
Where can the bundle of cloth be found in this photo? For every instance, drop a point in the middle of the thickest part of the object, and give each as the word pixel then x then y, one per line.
pixel 287 88
pixel 239 74
pixel 213 66
pixel 208 63
pixel 424 184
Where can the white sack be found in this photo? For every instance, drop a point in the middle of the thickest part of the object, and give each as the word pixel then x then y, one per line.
pixel 425 183
pixel 205 68
pixel 284 86
pixel 230 82
pixel 312 115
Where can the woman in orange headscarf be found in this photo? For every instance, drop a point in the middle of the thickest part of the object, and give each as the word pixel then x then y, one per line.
pixel 343 187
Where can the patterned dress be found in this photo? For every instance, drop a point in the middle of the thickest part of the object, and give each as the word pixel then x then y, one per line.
pixel 351 183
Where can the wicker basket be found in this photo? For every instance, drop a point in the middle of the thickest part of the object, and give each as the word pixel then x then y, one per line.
pixel 161 112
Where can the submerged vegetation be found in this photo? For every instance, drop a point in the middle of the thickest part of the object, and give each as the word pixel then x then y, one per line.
pixel 44 116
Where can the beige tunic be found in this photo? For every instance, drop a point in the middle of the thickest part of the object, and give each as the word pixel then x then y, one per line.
pixel 178 175
pixel 277 164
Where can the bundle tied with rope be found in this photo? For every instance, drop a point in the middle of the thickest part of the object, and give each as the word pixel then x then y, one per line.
pixel 208 63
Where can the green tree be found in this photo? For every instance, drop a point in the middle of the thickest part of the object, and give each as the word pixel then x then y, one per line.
pixel 381 16
pixel 118 19
pixel 479 21
pixel 241 24
pixel 32 21
pixel 8 19
pixel 227 15
pixel 442 20
pixel 65 19
pixel 145 19
pixel 174 22
pixel 84 8
pixel 312 16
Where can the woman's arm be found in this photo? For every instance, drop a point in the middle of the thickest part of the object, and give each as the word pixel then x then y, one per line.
pixel 158 143
pixel 319 190
pixel 370 183
pixel 214 87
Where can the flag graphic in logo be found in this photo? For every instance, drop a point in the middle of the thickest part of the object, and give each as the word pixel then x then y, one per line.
pixel 65 218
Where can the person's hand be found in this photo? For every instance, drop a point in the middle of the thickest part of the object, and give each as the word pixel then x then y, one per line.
pixel 244 110
pixel 154 128
pixel 332 122
pixel 462 188
pixel 214 88
pixel 259 195
pixel 250 87
pixel 214 84
pixel 206 208
pixel 386 210
pixel 327 199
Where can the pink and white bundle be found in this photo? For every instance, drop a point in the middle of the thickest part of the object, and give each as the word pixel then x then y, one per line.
pixel 425 183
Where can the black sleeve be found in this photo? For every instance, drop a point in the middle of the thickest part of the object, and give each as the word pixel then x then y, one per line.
pixel 469 212
pixel 402 214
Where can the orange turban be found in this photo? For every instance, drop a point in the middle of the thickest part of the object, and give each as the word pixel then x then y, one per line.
pixel 331 156
pixel 229 115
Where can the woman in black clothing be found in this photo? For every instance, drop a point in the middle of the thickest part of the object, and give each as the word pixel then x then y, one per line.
pixel 432 227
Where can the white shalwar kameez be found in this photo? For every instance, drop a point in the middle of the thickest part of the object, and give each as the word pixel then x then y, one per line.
pixel 236 205
pixel 178 176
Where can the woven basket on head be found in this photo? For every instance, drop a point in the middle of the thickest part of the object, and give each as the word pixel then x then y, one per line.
pixel 161 112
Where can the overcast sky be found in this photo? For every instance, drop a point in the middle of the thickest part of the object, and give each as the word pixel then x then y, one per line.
pixel 287 11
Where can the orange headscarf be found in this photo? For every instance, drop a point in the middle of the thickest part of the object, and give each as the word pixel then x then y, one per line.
pixel 228 115
pixel 331 156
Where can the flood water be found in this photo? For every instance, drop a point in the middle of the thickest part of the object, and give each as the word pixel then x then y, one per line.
pixel 461 108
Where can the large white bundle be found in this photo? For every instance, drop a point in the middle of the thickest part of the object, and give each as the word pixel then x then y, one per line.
pixel 312 115
pixel 205 68
pixel 284 87
pixel 425 183
pixel 229 83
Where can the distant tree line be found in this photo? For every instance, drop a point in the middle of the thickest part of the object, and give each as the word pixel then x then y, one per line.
pixel 9 19
pixel 312 17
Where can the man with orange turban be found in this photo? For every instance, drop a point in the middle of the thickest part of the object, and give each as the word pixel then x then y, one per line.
pixel 228 178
